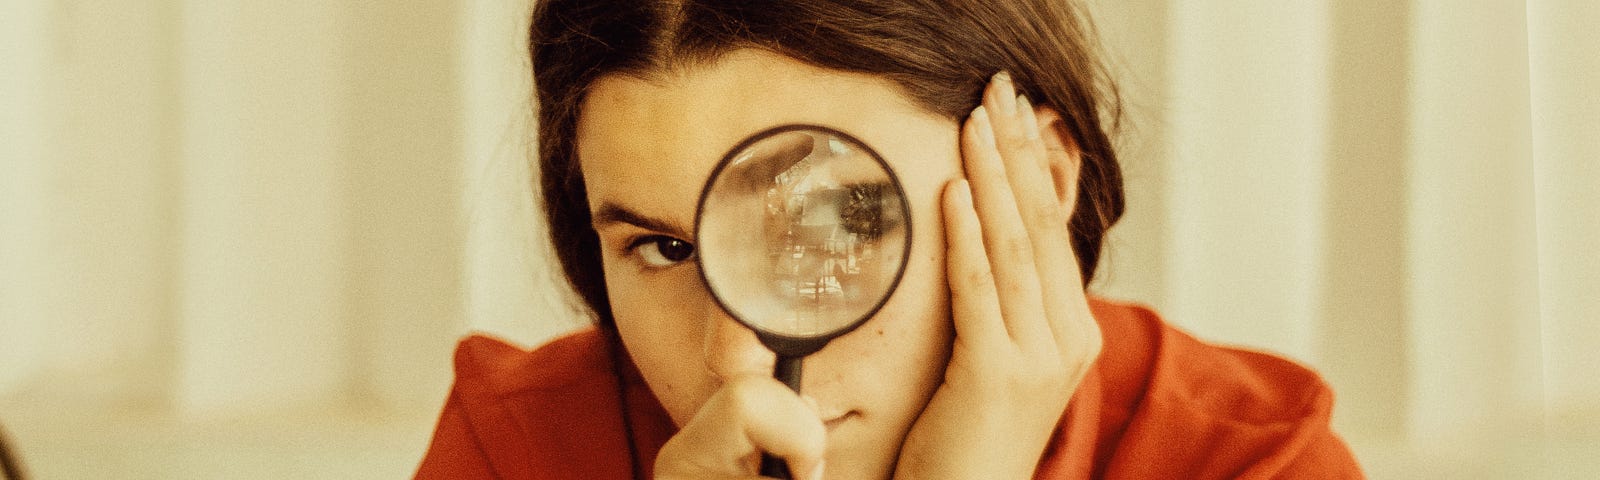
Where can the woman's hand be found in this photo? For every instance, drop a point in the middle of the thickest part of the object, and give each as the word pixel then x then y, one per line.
pixel 1024 334
pixel 750 414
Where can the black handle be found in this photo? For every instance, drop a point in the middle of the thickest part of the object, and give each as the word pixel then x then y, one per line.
pixel 786 370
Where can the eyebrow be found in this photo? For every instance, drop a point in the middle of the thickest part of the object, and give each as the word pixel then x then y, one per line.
pixel 611 214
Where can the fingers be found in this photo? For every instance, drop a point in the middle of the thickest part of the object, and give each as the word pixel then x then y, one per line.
pixel 1005 236
pixel 748 416
pixel 1015 160
pixel 1014 291
pixel 1032 171
pixel 974 303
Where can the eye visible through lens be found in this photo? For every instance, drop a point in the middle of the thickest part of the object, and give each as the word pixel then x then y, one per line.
pixel 866 213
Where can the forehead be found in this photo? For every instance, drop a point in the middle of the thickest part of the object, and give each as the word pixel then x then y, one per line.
pixel 650 144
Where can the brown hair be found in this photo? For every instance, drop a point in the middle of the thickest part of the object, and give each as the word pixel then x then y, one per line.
pixel 941 53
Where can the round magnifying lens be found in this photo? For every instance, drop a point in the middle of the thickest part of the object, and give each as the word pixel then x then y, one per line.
pixel 803 234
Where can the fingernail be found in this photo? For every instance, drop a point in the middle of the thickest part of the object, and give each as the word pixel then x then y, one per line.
pixel 980 120
pixel 963 192
pixel 1008 105
pixel 1025 114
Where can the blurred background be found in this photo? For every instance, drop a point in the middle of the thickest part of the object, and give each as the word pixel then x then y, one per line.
pixel 240 239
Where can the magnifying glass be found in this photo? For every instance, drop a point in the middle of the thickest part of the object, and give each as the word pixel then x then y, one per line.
pixel 803 234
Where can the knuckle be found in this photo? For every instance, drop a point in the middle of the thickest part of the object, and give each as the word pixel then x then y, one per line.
pixel 978 279
pixel 1015 248
pixel 1013 141
pixel 1049 215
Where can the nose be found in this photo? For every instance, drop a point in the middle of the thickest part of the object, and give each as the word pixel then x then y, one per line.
pixel 732 349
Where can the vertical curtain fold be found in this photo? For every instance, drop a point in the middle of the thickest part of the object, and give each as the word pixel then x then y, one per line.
pixel 1565 118
pixel 1473 245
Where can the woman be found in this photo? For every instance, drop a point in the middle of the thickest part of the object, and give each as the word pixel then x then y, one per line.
pixel 987 362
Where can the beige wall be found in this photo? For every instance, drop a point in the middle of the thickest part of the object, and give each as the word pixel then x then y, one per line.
pixel 241 238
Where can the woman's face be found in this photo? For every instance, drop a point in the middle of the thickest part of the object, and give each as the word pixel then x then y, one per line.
pixel 647 148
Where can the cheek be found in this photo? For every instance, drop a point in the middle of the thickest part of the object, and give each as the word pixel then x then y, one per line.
pixel 915 323
pixel 661 321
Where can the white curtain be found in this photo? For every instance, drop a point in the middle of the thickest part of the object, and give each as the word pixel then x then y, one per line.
pixel 239 238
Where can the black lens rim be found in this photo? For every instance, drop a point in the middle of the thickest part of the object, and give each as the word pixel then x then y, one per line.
pixel 790 345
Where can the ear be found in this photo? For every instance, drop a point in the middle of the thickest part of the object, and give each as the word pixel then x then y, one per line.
pixel 1062 155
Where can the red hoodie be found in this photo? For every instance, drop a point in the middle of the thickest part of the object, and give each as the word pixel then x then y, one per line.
pixel 1158 404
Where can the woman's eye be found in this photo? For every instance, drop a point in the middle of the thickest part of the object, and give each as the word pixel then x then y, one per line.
pixel 659 251
pixel 865 214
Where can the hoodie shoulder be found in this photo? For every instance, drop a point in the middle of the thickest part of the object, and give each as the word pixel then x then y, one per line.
pixel 1179 407
pixel 554 412
pixel 509 370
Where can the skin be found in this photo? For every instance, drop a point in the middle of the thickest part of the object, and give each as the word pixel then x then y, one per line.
pixel 949 362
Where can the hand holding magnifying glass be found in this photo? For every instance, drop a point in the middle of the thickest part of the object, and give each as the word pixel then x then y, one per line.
pixel 804 233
